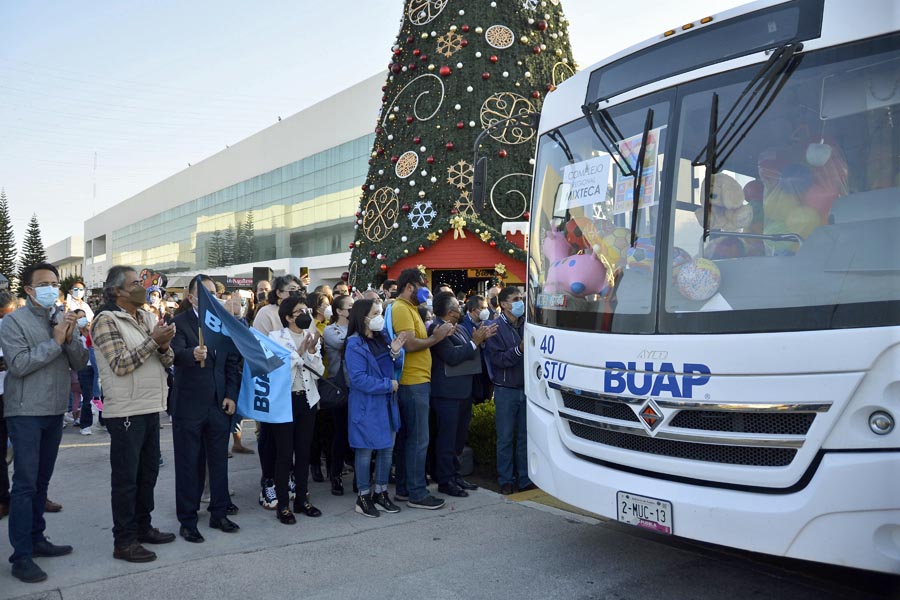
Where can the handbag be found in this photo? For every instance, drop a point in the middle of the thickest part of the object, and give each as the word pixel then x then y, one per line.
pixel 332 390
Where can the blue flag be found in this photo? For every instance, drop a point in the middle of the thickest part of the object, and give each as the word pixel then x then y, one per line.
pixel 267 398
pixel 224 333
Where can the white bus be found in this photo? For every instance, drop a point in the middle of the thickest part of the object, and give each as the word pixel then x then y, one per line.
pixel 713 326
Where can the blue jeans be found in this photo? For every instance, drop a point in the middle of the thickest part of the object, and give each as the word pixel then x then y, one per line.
pixel 36 442
pixel 412 440
pixel 363 465
pixel 510 420
pixel 86 381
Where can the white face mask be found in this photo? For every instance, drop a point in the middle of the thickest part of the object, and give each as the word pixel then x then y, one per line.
pixel 376 323
pixel 78 293
pixel 484 315
pixel 327 312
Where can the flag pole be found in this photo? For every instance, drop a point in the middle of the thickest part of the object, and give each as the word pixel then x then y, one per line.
pixel 200 325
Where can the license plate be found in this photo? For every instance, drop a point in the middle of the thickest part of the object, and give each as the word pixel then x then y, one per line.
pixel 641 511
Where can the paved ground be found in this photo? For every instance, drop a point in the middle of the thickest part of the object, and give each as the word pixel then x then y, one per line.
pixel 484 546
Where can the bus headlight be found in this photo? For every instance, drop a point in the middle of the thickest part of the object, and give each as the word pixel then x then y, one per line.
pixel 881 423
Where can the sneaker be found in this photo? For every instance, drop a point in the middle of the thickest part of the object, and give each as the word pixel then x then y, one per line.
pixel 366 507
pixel 25 570
pixel 69 418
pixel 383 502
pixel 428 503
pixel 401 496
pixel 86 431
pixel 292 488
pixel 267 497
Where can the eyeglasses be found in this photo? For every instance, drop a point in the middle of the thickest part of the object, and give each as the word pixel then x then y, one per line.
pixel 55 286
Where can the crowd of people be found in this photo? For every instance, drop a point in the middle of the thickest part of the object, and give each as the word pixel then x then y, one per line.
pixel 382 384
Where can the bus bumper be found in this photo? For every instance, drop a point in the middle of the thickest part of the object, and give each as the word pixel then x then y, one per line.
pixel 848 514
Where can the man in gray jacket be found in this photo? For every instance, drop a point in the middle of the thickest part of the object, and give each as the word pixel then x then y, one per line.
pixel 40 349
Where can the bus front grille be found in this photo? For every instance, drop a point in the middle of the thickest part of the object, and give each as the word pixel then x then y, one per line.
pixel 790 423
pixel 716 453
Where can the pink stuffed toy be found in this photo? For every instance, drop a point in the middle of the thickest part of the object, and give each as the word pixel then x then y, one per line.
pixel 578 275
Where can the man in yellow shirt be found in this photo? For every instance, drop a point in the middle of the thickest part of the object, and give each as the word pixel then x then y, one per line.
pixel 415 390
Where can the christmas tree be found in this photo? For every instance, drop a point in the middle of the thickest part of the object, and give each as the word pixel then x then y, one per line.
pixel 457 68
pixel 7 240
pixel 32 250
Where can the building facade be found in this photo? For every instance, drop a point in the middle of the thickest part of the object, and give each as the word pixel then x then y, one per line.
pixel 67 256
pixel 283 198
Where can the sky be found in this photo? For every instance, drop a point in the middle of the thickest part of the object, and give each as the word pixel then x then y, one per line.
pixel 100 100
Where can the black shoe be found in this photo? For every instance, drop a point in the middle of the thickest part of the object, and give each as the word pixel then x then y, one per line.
pixel 428 503
pixel 451 489
pixel 337 486
pixel 528 488
pixel 134 553
pixel 383 502
pixel 232 509
pixel 506 489
pixel 464 484
pixel 155 536
pixel 286 516
pixel 401 496
pixel 307 509
pixel 45 548
pixel 316 472
pixel 366 507
pixel 25 570
pixel 192 535
pixel 225 525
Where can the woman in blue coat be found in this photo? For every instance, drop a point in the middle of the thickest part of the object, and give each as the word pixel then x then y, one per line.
pixel 374 418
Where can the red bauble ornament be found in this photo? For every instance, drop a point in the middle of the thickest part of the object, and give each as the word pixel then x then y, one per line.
pixel 423 57
pixel 493 58
pixel 417 52
pixel 502 153
pixel 363 186
pixel 526 215
pixel 410 40
pixel 541 25
pixel 492 244
pixel 394 159
pixel 421 248
pixel 409 120
pixel 380 151
pixel 463 43
pixel 384 88
pixel 465 28
pixel 454 211
pixel 351 245
pixel 449 146
pixel 405 208
pixel 372 253
pixel 417 140
pixel 445 71
pixel 550 87
pixel 460 125
pixel 485 75
pixel 370 161
pixel 384 267
pixel 535 94
pixel 395 68
pixel 536 49
pixel 398 52
pixel 413 66
pixel 378 130
pixel 430 160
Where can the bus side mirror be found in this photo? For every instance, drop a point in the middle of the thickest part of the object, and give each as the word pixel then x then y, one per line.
pixel 478 178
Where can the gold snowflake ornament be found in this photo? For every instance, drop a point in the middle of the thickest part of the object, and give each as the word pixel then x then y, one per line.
pixel 449 43
pixel 460 174
pixel 465 206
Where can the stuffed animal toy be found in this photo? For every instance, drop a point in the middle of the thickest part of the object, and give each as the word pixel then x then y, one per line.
pixel 578 274
pixel 729 212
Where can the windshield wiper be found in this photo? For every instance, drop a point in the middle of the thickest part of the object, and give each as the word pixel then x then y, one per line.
pixel 639 176
pixel 557 136
pixel 751 104
pixel 608 134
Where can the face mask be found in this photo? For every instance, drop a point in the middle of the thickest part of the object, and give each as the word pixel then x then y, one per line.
pixel 78 293
pixel 261 296
pixel 484 315
pixel 243 301
pixel 82 322
pixel 46 296
pixel 518 308
pixel 296 294
pixel 423 295
pixel 303 321
pixel 327 312
pixel 138 295
pixel 376 323
pixel 154 301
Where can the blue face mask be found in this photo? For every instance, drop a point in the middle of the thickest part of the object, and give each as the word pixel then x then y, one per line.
pixel 46 296
pixel 423 295
pixel 82 322
pixel 518 308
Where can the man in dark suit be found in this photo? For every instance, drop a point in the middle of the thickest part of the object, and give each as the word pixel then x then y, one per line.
pixel 206 384
pixel 451 398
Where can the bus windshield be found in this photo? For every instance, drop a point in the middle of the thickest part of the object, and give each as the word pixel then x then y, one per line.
pixel 803 227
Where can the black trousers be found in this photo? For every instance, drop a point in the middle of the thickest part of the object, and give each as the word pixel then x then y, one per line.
pixel 339 443
pixel 4 470
pixel 452 418
pixel 292 442
pixel 201 444
pixel 134 459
